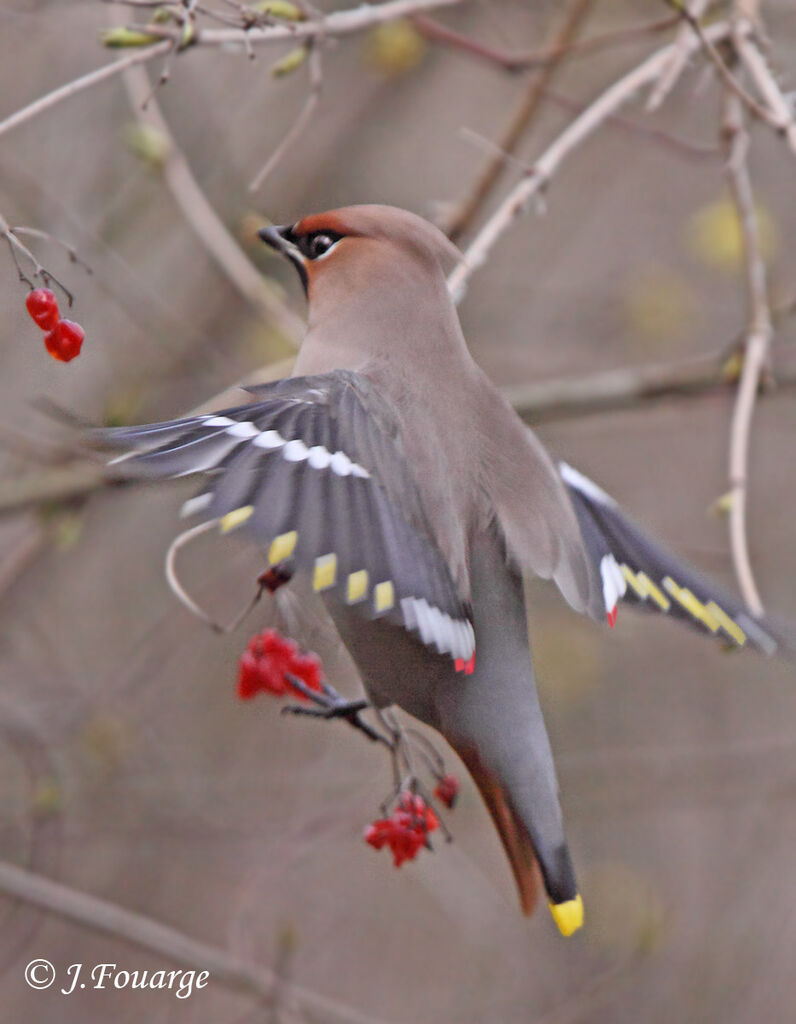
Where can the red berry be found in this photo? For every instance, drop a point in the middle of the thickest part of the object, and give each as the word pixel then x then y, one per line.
pixel 43 308
pixel 65 340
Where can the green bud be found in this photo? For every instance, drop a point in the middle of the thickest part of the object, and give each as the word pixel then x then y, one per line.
pixel 279 9
pixel 290 62
pixel 122 37
pixel 148 144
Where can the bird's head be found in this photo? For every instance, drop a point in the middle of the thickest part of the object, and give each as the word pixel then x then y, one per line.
pixel 362 248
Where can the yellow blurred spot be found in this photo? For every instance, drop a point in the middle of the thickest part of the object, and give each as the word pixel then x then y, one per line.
pixel 568 916
pixel 660 304
pixel 47 798
pixel 395 47
pixel 722 505
pixel 106 739
pixel 625 911
pixel 237 517
pixel 715 237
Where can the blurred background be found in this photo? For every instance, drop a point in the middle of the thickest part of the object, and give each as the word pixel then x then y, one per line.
pixel 128 767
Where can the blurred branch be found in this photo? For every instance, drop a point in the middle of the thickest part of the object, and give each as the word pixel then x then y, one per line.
pixel 724 71
pixel 335 24
pixel 203 219
pixel 529 105
pixel 764 79
pixel 338 23
pixel 627 388
pixel 555 399
pixel 674 66
pixel 518 200
pixel 299 124
pixel 518 61
pixel 757 345
pixel 79 84
pixel 18 248
pixel 225 969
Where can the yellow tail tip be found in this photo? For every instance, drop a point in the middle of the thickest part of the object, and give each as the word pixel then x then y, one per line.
pixel 568 916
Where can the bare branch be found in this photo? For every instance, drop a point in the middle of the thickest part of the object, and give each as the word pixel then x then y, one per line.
pixel 84 82
pixel 224 969
pixel 674 66
pixel 519 198
pixel 530 103
pixel 297 128
pixel 511 60
pixel 764 79
pixel 204 220
pixel 758 341
pixel 338 23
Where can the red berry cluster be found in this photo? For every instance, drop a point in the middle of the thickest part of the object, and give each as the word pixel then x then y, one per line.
pixel 63 338
pixel 406 830
pixel 268 661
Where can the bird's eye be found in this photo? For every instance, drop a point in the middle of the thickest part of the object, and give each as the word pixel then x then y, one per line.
pixel 318 244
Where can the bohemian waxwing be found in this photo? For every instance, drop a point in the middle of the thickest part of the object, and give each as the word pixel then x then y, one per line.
pixel 394 473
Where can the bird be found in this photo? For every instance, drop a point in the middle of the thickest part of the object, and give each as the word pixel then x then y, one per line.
pixel 392 473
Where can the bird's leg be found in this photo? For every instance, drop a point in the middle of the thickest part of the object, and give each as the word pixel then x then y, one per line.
pixel 331 704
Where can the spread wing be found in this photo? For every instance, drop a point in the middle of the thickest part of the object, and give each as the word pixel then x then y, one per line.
pixel 638 569
pixel 312 470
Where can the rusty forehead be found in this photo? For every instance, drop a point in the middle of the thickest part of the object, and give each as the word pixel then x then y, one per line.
pixel 323 222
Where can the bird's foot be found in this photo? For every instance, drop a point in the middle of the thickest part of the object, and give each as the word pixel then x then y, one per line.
pixel 330 704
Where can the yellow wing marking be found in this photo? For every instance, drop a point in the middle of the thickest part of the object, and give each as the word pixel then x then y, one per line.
pixel 237 517
pixel 644 587
pixel 384 596
pixel 282 547
pixel 325 572
pixel 357 586
pixel 730 627
pixel 692 604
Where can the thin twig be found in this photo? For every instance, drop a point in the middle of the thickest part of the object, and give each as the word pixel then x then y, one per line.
pixel 338 23
pixel 529 104
pixel 299 124
pixel 511 60
pixel 674 66
pixel 18 248
pixel 84 82
pixel 204 220
pixel 518 199
pixel 724 71
pixel 758 342
pixel 764 80
pixel 111 919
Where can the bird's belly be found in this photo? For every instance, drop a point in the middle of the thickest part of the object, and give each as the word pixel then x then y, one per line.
pixel 396 668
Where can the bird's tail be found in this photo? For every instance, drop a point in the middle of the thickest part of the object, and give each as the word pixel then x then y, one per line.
pixel 513 833
pixel 639 570
pixel 492 719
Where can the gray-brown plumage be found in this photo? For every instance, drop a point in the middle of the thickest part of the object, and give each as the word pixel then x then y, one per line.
pixel 392 470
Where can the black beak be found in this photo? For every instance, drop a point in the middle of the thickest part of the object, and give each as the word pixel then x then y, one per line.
pixel 277 236
pixel 281 238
